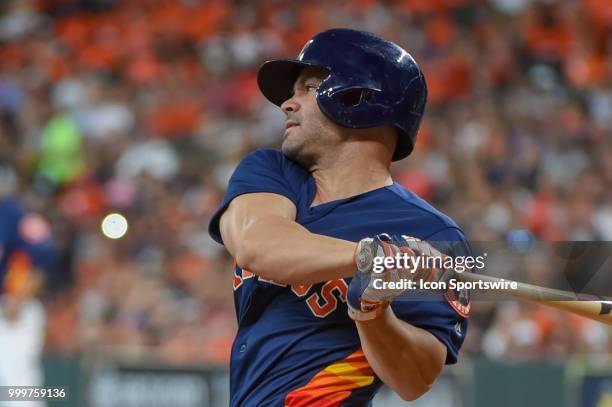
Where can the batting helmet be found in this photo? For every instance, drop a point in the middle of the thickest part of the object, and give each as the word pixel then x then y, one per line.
pixel 371 82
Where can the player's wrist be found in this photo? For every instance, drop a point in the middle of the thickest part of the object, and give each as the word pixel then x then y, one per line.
pixel 367 311
pixel 361 307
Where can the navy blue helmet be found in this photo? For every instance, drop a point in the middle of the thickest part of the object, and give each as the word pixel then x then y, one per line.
pixel 371 82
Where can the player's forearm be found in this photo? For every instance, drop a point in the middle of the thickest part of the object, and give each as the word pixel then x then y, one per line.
pixel 282 250
pixel 406 358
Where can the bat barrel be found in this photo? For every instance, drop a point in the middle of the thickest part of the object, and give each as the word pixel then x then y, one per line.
pixel 597 308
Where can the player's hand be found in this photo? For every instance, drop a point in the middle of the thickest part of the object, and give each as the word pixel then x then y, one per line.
pixel 366 299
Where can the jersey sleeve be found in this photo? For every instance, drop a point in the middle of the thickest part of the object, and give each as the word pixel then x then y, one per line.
pixel 263 170
pixel 445 318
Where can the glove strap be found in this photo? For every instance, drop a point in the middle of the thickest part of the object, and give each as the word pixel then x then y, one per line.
pixel 368 311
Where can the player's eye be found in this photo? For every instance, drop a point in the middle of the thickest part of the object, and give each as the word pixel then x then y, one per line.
pixel 311 87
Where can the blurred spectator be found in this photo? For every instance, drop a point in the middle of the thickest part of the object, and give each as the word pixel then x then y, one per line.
pixel 27 259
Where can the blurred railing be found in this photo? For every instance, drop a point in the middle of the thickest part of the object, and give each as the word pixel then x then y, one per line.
pixel 97 381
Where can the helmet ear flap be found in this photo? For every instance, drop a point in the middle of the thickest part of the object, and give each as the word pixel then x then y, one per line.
pixel 351 97
pixel 355 97
pixel 354 107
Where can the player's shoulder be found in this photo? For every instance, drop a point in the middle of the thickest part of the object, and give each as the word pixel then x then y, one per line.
pixel 271 158
pixel 438 220
pixel 265 153
pixel 268 154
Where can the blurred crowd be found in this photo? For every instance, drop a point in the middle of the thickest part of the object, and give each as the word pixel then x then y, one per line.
pixel 144 107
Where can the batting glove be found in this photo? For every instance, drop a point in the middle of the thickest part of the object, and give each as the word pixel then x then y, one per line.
pixel 365 301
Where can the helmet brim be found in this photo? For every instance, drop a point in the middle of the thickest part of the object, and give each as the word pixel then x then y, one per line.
pixel 276 78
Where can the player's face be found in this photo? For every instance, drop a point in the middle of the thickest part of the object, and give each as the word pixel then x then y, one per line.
pixel 308 132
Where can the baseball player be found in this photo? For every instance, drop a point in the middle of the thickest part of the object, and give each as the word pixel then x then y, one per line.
pixel 27 254
pixel 300 221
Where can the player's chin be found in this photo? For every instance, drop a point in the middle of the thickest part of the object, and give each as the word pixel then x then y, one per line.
pixel 292 144
pixel 295 149
pixel 289 153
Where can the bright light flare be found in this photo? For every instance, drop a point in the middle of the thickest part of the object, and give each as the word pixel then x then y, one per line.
pixel 114 226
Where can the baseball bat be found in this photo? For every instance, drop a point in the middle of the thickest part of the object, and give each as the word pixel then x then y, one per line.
pixel 599 309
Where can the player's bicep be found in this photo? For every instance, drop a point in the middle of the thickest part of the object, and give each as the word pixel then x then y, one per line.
pixel 246 210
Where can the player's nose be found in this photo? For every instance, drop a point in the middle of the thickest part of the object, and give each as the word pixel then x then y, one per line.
pixel 290 105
